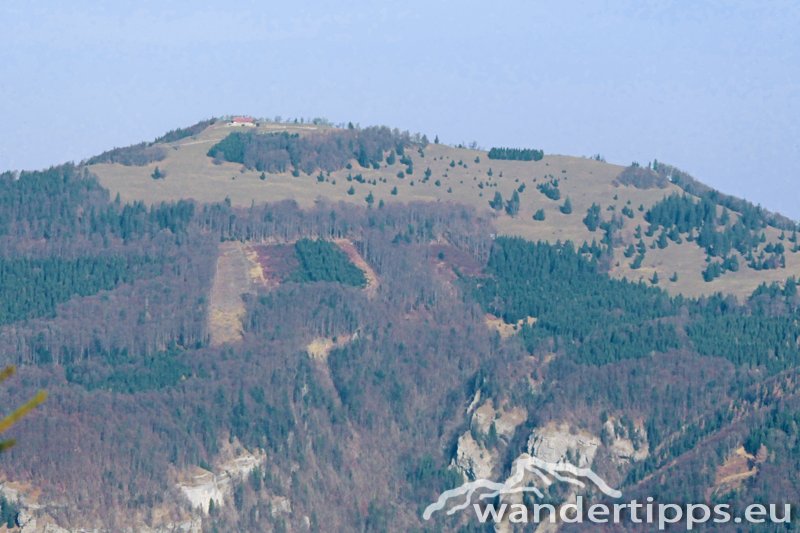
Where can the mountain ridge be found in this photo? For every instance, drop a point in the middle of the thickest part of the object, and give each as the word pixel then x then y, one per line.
pixel 459 175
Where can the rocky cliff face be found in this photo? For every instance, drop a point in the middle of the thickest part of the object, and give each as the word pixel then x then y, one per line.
pixel 36 516
pixel 477 453
pixel 558 442
pixel 627 442
pixel 480 449
pixel 201 486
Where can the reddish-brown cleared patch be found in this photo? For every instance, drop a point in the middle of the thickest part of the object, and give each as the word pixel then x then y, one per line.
pixel 277 262
pixel 454 258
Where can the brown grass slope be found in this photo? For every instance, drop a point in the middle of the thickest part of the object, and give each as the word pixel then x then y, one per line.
pixel 190 173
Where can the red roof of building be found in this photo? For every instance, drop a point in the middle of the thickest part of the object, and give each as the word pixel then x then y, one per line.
pixel 240 120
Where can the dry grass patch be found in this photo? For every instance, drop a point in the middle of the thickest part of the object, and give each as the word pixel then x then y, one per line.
pixel 232 278
pixel 320 347
pixel 738 467
pixel 191 174
pixel 507 330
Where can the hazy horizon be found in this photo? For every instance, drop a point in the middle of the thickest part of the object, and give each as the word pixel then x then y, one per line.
pixel 711 87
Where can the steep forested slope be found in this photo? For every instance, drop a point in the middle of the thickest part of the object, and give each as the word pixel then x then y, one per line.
pixel 105 303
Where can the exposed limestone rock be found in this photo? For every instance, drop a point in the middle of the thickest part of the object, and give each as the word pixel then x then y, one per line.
pixel 505 421
pixel 475 400
pixel 280 505
pixel 483 417
pixel 472 459
pixel 32 517
pixel 50 528
pixel 25 518
pixel 555 443
pixel 35 516
pixel 626 444
pixel 200 486
pixel 508 421
pixel 762 454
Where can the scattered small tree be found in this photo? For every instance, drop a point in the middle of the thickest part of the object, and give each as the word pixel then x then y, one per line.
pixel 512 206
pixel 497 201
pixel 592 218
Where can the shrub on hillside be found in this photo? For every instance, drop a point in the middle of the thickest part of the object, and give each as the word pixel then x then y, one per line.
pixel 137 155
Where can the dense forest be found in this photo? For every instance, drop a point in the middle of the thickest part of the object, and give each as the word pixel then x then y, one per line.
pixel 33 287
pixel 573 304
pixel 324 261
pixel 516 154
pixel 328 151
pixel 106 304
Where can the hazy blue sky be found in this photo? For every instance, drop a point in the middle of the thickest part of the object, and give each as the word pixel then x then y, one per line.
pixel 712 87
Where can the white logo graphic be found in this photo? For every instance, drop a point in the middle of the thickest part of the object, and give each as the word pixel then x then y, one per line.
pixel 460 498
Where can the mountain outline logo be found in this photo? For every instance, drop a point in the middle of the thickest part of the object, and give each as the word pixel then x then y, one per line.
pixel 547 472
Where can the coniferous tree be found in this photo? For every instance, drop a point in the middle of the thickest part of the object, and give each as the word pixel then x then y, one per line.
pixel 497 202
pixel 592 218
pixel 512 206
